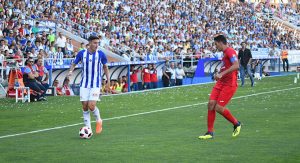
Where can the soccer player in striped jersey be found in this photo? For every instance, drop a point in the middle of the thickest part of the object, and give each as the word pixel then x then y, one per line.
pixel 224 89
pixel 92 61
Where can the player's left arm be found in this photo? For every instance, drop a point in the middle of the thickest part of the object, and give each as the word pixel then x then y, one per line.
pixel 235 66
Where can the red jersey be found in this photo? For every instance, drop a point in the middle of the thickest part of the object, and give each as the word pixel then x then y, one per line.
pixel 228 59
pixel 133 76
pixel 153 75
pixel 146 75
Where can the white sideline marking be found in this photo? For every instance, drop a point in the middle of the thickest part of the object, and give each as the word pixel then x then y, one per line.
pixel 143 113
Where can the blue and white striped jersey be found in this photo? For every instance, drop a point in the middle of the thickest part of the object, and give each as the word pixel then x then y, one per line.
pixel 92 64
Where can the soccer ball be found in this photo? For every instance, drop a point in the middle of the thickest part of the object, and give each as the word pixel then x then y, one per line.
pixel 85 132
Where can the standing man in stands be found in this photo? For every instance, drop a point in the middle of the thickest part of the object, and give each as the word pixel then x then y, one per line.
pixel 92 61
pixel 245 59
pixel 284 57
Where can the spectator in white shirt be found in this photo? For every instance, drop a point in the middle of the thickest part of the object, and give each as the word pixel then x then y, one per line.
pixel 173 74
pixel 61 42
pixel 179 74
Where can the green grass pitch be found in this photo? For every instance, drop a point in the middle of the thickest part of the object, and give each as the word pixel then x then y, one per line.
pixel 158 126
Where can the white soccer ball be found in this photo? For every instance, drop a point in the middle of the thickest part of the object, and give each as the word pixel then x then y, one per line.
pixel 85 132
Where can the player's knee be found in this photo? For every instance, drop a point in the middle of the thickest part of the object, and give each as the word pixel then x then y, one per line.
pixel 85 106
pixel 219 109
pixel 91 106
pixel 211 105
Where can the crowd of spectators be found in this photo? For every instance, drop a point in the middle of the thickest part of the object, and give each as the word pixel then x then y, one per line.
pixel 286 11
pixel 138 30
pixel 167 29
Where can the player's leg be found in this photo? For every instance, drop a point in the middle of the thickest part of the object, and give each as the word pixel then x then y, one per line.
pixel 85 110
pixel 250 75
pixel 242 75
pixel 283 64
pixel 211 113
pixel 225 96
pixel 287 65
pixel 93 98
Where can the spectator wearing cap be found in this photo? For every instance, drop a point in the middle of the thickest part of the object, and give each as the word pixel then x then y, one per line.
pixel 42 71
pixel 29 79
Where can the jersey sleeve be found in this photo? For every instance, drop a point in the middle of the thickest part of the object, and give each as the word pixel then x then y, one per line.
pixel 78 57
pixel 231 54
pixel 27 70
pixel 103 57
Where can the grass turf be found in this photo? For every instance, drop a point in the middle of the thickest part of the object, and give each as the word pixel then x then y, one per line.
pixel 270 129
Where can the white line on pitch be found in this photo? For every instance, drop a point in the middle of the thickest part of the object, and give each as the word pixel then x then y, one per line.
pixel 143 113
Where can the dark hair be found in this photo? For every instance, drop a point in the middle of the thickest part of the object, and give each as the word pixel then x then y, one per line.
pixel 91 38
pixel 243 42
pixel 221 38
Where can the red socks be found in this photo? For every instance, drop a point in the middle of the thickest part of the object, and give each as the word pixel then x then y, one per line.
pixel 226 114
pixel 211 116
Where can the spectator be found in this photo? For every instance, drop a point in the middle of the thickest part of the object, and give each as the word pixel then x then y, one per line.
pixel 58 89
pixel 272 55
pixel 173 74
pixel 166 74
pixel 66 89
pixel 51 36
pixel 125 84
pixel 61 42
pixel 29 80
pixel 179 74
pixel 42 71
pixel 70 48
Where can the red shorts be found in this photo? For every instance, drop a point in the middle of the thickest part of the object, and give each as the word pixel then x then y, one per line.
pixel 222 94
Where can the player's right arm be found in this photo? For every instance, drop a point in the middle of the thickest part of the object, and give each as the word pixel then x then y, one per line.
pixel 78 58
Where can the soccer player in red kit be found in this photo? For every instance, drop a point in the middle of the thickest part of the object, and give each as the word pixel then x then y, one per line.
pixel 224 89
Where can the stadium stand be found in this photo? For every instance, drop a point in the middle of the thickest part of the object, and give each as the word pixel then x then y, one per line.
pixel 140 30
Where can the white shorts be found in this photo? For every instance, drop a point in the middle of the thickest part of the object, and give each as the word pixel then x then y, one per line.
pixel 89 94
